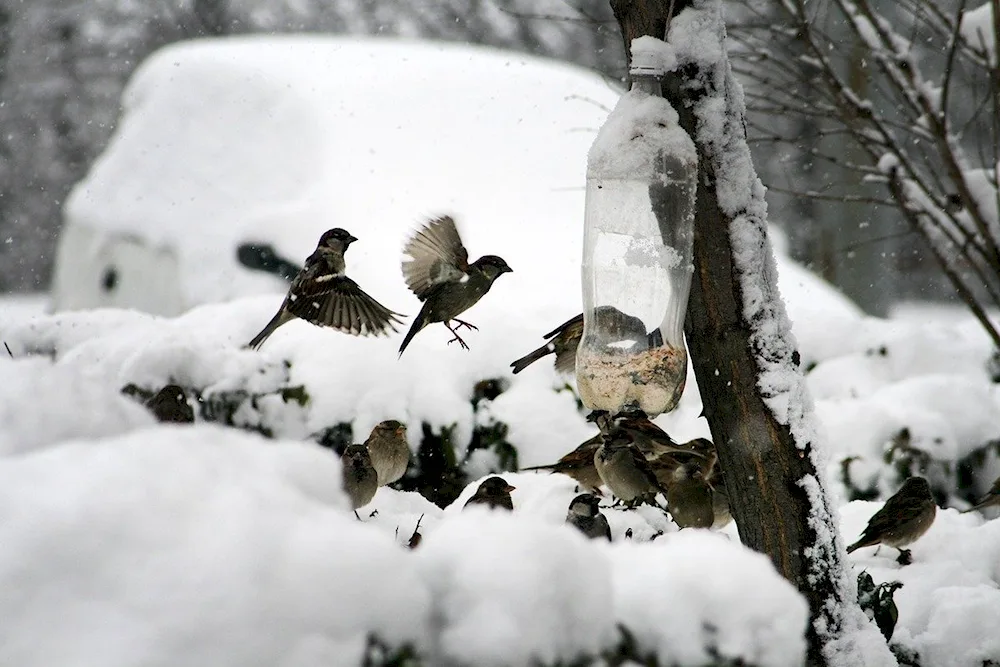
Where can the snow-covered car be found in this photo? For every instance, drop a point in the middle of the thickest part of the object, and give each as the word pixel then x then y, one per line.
pixel 275 139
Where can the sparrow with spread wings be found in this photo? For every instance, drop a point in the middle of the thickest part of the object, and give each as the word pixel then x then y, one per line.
pixel 323 295
pixel 439 273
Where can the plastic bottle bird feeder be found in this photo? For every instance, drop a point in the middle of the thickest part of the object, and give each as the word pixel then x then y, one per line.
pixel 638 234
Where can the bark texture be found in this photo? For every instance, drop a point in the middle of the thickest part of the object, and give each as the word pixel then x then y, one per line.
pixel 761 461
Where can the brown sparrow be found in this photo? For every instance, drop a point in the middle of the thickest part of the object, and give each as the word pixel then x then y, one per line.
pixel 625 470
pixel 170 405
pixel 494 492
pixel 562 342
pixel 585 514
pixel 689 497
pixel 360 478
pixel 322 295
pixel 440 274
pixel 902 520
pixel 578 464
pixel 389 450
pixel 991 498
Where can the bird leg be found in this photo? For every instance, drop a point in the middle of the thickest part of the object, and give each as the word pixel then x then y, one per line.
pixel 463 323
pixel 457 337
pixel 905 557
pixel 356 515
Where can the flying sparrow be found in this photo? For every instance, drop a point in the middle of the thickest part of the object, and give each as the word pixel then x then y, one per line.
pixel 360 478
pixel 493 492
pixel 991 498
pixel 389 450
pixel 170 405
pixel 625 470
pixel 562 342
pixel 902 520
pixel 439 273
pixel 578 464
pixel 322 295
pixel 585 515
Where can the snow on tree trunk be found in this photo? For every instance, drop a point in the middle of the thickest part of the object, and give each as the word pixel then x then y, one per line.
pixel 742 349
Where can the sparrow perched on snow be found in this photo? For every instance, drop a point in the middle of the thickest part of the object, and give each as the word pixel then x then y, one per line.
pixel 170 405
pixel 585 515
pixel 493 492
pixel 625 470
pixel 902 520
pixel 578 464
pixel 562 342
pixel 991 498
pixel 389 451
pixel 322 295
pixel 440 274
pixel 360 478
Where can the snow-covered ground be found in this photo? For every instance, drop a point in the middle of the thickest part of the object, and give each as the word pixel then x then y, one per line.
pixel 126 542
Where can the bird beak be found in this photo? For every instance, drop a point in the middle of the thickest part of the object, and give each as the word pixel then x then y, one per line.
pixel 351 239
pixel 511 488
pixel 401 430
pixel 507 269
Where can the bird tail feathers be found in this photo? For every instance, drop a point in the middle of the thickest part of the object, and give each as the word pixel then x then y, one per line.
pixel 531 358
pixel 419 322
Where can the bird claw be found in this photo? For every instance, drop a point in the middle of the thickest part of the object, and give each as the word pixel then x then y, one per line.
pixel 463 323
pixel 460 341
pixel 904 557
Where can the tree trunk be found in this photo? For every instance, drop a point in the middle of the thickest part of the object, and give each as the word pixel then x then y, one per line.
pixel 763 463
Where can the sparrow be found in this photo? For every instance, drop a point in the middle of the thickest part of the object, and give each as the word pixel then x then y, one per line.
pixel 991 498
pixel 902 520
pixel 440 274
pixel 578 464
pixel 322 295
pixel 562 342
pixel 493 492
pixel 360 478
pixel 625 470
pixel 689 497
pixel 170 405
pixel 649 438
pixel 389 450
pixel 585 515
pixel 610 324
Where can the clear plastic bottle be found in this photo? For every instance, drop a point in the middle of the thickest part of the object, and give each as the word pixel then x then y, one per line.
pixel 639 229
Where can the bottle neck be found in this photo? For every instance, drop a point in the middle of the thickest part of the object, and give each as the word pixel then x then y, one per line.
pixel 647 83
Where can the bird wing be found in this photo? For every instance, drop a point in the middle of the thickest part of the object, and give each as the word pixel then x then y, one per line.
pixel 338 302
pixel 572 322
pixel 436 255
pixel 643 466
pixel 896 512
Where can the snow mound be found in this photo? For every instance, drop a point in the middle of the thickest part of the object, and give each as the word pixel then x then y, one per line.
pixel 711 594
pixel 510 591
pixel 193 546
pixel 949 605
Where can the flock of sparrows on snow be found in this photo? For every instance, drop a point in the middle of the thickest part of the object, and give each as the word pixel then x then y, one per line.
pixel 633 457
